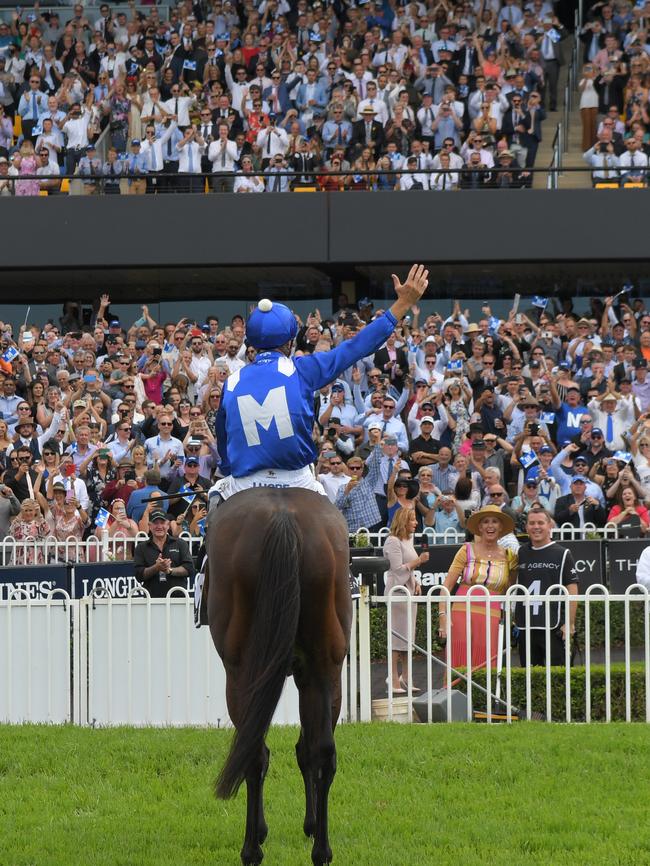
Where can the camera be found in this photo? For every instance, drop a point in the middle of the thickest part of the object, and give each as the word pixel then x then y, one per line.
pixel 534 429
pixel 331 433
pixel 157 352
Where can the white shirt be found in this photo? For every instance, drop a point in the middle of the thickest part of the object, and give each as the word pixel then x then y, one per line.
pixel 643 568
pixel 199 365
pixel 638 159
pixel 406 181
pixel 50 143
pixel 189 157
pixel 223 156
pixel 157 448
pixel 77 130
pixel 378 106
pixel 272 141
pixel 152 148
pixel 332 484
pixel 79 487
pixel 455 161
pixel 248 183
pixel 184 105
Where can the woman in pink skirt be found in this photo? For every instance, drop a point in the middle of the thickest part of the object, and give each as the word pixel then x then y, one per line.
pixel 482 562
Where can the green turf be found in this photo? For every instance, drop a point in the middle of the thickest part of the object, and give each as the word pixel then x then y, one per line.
pixel 525 794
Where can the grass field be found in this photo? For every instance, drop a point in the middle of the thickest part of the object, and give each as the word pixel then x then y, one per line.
pixel 440 795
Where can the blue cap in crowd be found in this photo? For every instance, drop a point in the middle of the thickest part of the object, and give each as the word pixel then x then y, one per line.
pixel 270 325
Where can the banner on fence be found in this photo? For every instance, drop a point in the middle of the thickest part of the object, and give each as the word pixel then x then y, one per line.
pixel 623 557
pixel 115 579
pixel 33 581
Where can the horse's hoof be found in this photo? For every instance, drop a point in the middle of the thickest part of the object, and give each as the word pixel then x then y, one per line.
pixel 251 855
pixel 320 856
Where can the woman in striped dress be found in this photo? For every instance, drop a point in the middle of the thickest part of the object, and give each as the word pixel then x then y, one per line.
pixel 480 562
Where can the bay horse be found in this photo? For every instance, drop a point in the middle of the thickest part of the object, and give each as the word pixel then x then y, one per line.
pixel 279 604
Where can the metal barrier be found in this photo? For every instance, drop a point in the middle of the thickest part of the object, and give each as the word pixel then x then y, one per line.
pixel 138 660
pixel 119 547
pixel 606 689
pixel 102 548
pixel 198 183
pixel 108 661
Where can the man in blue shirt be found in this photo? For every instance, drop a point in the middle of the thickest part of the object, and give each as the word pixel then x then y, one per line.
pixel 265 421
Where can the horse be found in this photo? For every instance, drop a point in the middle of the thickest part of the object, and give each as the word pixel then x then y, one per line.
pixel 278 602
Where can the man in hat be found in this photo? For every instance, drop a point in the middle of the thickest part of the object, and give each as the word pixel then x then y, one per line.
pixel 162 562
pixel 521 418
pixel 578 508
pixel 614 417
pixel 564 476
pixel 265 421
pixel 189 481
pixel 543 564
pixel 368 132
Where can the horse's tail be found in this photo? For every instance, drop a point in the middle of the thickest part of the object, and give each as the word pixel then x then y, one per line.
pixel 269 654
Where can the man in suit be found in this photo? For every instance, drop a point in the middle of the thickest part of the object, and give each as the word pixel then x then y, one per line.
pixel 515 125
pixel 467 59
pixel 392 361
pixel 578 509
pixel 593 39
pixel 311 99
pixel 533 136
pixel 210 133
pixel 368 131
pixel 550 42
pixel 277 95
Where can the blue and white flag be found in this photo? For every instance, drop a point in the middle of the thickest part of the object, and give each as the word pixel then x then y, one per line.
pixel 494 322
pixel 539 301
pixel 102 519
pixel 456 366
pixel 190 497
pixel 9 354
pixel 623 456
pixel 527 459
pixel 201 525
pixel 547 417
pixel 553 35
pixel 190 65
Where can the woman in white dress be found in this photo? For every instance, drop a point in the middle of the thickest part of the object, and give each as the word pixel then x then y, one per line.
pixel 403 560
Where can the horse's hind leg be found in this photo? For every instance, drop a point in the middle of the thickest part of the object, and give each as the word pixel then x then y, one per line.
pixel 316 720
pixel 256 828
pixel 302 756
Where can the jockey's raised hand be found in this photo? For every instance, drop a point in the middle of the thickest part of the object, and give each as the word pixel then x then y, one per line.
pixel 410 291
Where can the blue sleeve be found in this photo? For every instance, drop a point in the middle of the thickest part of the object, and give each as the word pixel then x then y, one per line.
pixel 323 367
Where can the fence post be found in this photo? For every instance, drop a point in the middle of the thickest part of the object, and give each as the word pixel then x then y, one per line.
pixel 365 679
pixel 104 546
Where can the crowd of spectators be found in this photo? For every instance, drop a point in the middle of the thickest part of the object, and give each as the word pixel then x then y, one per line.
pixel 544 408
pixel 278 96
pixel 614 92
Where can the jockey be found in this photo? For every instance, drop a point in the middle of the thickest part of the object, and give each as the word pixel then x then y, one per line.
pixel 266 418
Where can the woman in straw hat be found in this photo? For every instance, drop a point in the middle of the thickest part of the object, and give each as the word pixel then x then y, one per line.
pixel 480 562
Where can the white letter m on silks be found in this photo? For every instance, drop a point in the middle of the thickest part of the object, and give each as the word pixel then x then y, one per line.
pixel 274 407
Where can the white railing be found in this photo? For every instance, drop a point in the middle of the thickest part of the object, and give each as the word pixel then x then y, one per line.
pixel 35 659
pixel 109 661
pixel 102 548
pixel 492 681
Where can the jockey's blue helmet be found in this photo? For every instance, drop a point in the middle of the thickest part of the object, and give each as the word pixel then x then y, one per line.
pixel 270 325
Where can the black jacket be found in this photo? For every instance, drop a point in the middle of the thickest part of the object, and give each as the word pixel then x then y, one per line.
pixel 593 513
